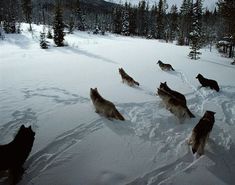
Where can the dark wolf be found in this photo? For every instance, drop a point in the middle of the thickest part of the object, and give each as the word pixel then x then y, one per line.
pixel 174 105
pixel 208 82
pixel 14 154
pixel 201 132
pixel 165 67
pixel 177 95
pixel 127 79
pixel 104 106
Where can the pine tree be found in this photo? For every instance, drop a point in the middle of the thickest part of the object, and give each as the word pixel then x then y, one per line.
pixel 58 26
pixel 132 22
pixel 27 11
pixel 142 19
pixel 160 24
pixel 117 20
pixel 43 42
pixel 79 17
pixel 196 34
pixel 71 24
pixel 185 22
pixel 173 25
pixel 227 11
pixel 125 20
pixel 49 34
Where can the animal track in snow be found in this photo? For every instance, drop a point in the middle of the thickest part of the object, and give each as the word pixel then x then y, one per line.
pixel 57 95
pixel 50 156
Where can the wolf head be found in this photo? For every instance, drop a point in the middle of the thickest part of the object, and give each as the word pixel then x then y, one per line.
pixel 159 62
pixel 25 134
pixel 163 85
pixel 209 115
pixel 23 143
pixel 121 70
pixel 199 76
pixel 94 93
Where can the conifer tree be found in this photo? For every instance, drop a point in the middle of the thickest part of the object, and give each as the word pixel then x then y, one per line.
pixel 27 11
pixel 125 20
pixel 58 26
pixel 133 21
pixel 79 17
pixel 43 42
pixel 117 20
pixel 196 33
pixel 160 24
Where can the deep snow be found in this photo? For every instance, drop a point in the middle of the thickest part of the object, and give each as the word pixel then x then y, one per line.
pixel 49 89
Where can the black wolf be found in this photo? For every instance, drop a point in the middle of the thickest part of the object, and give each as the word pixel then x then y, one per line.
pixel 14 154
pixel 165 67
pixel 201 132
pixel 208 82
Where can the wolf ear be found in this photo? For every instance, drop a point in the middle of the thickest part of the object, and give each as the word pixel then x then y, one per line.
pixel 96 89
pixel 165 83
pixel 22 126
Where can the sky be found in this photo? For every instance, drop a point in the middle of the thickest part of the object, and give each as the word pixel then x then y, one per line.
pixel 210 4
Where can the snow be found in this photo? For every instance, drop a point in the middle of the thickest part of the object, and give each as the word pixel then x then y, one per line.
pixel 49 89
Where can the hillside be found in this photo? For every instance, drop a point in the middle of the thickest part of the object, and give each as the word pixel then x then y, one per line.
pixel 50 90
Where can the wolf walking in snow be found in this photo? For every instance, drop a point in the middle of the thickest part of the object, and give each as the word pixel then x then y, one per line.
pixel 175 94
pixel 208 82
pixel 165 67
pixel 201 132
pixel 14 154
pixel 127 79
pixel 104 106
pixel 174 105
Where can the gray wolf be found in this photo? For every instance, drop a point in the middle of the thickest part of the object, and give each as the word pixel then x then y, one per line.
pixel 165 67
pixel 127 79
pixel 104 106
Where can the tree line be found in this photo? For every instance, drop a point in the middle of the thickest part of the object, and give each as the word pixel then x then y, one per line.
pixel 188 24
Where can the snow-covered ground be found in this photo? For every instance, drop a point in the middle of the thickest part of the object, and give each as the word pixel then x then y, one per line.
pixel 49 89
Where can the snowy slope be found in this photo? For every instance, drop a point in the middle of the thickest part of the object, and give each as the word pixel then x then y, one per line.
pixel 49 89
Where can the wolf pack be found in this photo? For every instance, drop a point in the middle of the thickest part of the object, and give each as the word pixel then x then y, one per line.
pixel 14 154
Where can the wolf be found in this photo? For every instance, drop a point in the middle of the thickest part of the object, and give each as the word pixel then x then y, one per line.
pixel 104 106
pixel 165 67
pixel 14 154
pixel 174 105
pixel 208 82
pixel 177 95
pixel 201 132
pixel 127 79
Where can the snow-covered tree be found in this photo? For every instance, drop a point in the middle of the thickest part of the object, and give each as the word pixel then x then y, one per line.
pixel 125 20
pixel 79 17
pixel 43 42
pixel 49 34
pixel 58 26
pixel 196 33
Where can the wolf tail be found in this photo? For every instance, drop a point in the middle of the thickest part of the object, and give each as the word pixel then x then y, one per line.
pixel 136 83
pixel 172 68
pixel 117 115
pixel 191 115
